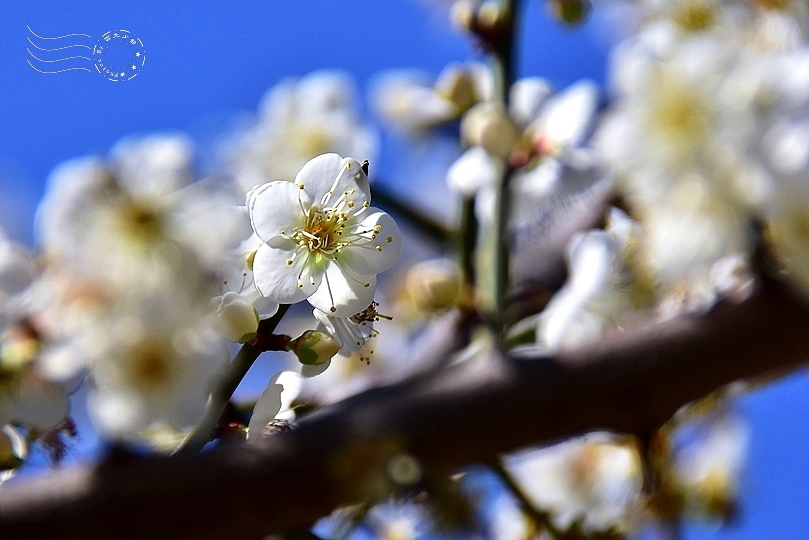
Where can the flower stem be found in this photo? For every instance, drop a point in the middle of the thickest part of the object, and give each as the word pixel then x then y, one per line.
pixel 228 383
pixel 423 223
pixel 541 519
pixel 467 239
pixel 503 61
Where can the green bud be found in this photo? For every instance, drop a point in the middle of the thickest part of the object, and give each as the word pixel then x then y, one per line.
pixel 314 348
pixel 571 12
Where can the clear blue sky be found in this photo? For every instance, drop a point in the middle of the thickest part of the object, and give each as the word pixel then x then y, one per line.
pixel 208 60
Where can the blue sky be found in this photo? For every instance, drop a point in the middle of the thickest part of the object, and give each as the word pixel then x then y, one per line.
pixel 209 60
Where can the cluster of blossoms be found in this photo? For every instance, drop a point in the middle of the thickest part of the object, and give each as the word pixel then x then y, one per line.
pixel 703 143
pixel 147 277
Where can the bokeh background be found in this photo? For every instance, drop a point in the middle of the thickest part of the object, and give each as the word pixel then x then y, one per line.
pixel 209 63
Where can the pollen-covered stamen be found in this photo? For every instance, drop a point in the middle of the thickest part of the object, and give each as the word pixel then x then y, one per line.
pixel 369 314
pixel 322 231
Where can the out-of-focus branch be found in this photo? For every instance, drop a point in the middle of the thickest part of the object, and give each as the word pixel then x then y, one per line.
pixel 429 226
pixel 628 382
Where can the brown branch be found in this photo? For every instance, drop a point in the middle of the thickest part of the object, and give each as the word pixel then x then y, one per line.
pixel 630 382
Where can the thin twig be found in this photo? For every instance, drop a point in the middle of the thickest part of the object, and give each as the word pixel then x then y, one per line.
pixel 230 381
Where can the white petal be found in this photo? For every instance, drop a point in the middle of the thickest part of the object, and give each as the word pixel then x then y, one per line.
pixel 381 249
pixel 567 116
pixel 326 177
pixel 315 370
pixel 268 405
pixel 346 292
pixel 281 282
pixel 526 99
pixel 118 413
pixel 275 207
pixel 473 170
pixel 281 391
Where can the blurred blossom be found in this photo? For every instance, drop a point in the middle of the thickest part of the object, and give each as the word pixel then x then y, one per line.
pixel 606 282
pixel 708 456
pixel 400 520
pixel 434 285
pixel 28 399
pixel 409 101
pixel 157 365
pixel 298 120
pixel 538 136
pixel 135 219
pixel 150 350
pixel 594 482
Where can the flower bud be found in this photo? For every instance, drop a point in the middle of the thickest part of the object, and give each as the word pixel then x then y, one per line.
pixel 235 318
pixel 458 85
pixel 434 285
pixel 570 12
pixel 463 14
pixel 489 126
pixel 314 348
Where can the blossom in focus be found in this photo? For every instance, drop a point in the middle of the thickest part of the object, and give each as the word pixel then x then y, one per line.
pixel 322 239
pixel 350 333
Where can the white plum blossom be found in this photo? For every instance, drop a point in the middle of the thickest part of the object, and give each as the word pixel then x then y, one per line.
pixel 408 100
pixel 351 333
pixel 156 367
pixel 322 239
pixel 298 120
pixel 708 459
pixel 594 480
pixel 604 284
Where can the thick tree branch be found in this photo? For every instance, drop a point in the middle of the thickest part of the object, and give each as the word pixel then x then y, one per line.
pixel 629 382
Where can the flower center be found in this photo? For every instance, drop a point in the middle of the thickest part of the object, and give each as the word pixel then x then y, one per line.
pixel 141 221
pixel 695 16
pixel 322 232
pixel 150 368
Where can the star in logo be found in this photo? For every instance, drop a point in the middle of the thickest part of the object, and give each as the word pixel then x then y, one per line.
pixel 137 54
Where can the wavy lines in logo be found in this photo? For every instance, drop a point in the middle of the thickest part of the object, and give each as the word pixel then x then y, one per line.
pixel 117 55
